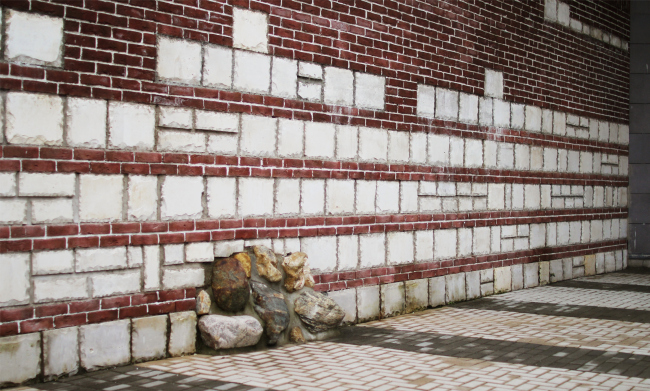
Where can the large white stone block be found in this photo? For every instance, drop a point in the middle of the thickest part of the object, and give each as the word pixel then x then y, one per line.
pixel 255 196
pixel 217 121
pixel 392 299
pixel 444 243
pixel 426 101
pixel 284 77
pixel 171 140
pixel 473 153
pixel 199 252
pixel 372 250
pixel 86 122
pixel 398 146
pixel 550 10
pixel 14 279
pixel 217 67
pixel 184 276
pixel 347 142
pixel 181 198
pixel 387 197
pixel 105 344
pixel 437 291
pixel 468 108
pixel 58 210
pixel 178 60
pixel 493 84
pixel 369 91
pixel 182 333
pixel 408 202
pixel 446 104
pixel 417 295
pixel 481 240
pixel 8 184
pixel 517 116
pixel 94 259
pixel 340 196
pixel 290 138
pixel 258 135
pixel 13 211
pixel 252 72
pixel 517 277
pixel 455 288
pixel 348 252
pixel 321 251
pixel 485 111
pixel 131 125
pixel 502 279
pixel 149 338
pixel 20 358
pixel 313 197
pixel 563 14
pixel 501 113
pixel 142 197
pixel 473 285
pixel 222 197
pixel 319 140
pixel 438 151
pixel 52 262
pixel 100 197
pixel 368 303
pixel 118 283
pixel 338 86
pixel 373 144
pixel 287 196
pixel 533 119
pixel 464 242
pixel 34 119
pixel 31 38
pixel 365 197
pixel 151 267
pixel 60 287
pixel 249 30
pixel 496 196
pixel 46 185
pixel 400 247
pixel 60 352
pixel 347 299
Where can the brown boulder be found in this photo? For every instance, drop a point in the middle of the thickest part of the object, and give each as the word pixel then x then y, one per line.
pixel 230 285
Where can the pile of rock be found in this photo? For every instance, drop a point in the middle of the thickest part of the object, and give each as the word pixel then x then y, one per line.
pixel 258 292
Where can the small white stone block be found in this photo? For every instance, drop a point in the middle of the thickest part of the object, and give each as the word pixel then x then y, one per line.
pixel 313 197
pixel 550 10
pixel 372 250
pixel 182 335
pixel 426 101
pixel 181 198
pixel 347 142
pixel 373 144
pixel 366 196
pixel 408 197
pixel 369 91
pixel 173 254
pixel 624 134
pixel 185 276
pixel 348 252
pixel 473 153
pixel 151 267
pixel 255 196
pixel 531 275
pixel 34 119
pixel 226 248
pixel 13 211
pixel 446 104
pixel 473 285
pixel 468 108
pixel 105 344
pixel 100 197
pixel 517 277
pixel 493 84
pixel 496 194
pixel 309 90
pixel 59 288
pixel 501 113
pixel 283 77
pixel 249 30
pixel 258 135
pixel 502 279
pixel 533 118
pixel 517 116
pixel 603 131
pixel 340 196
pixel 131 126
pixel 550 159
pixel 46 185
pixel 338 86
pixel 170 140
pixel 444 243
pixel 94 259
pixel 112 284
pixel 310 70
pixel 563 14
pixel 485 112
pixel 86 122
pixel 59 210
pixel 179 60
pixel 321 251
pixel 223 144
pixel 134 256
pixel 221 197
pixel 319 140
pixel 417 295
pixel 290 138
pixel 20 358
pixel 398 146
pixel 438 153
pixel 368 303
pixel 14 278
pixel 392 299
pixel 437 291
pixel 252 72
pixel 387 197
pixel 7 184
pixel 217 67
pixel 33 39
pixel 400 247
pixel 506 156
pixel 52 262
pixel 142 197
pixel 556 270
pixel 217 122
pixel 149 338
pixel 456 154
pixel 60 352
pixel 455 288
pixel 347 299
pixel 418 148
pixel 287 196
pixel 464 242
pixel 423 245
pixel 481 240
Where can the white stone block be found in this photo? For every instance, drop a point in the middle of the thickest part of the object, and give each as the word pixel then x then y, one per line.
pixel 340 196
pixel 347 142
pixel 216 121
pixel 556 271
pixel 624 134
pixel 287 196
pixel 131 126
pixel 226 248
pixel 94 259
pixel 249 30
pixel 368 303
pixel 319 140
pixel 392 299
pixel 506 156
pixel 86 122
pixel 182 333
pixel 31 38
pixel 255 196
pixel 373 144
pixel 46 185
pixel 52 211
pixel 142 197
pixel 517 277
pixel 149 338
pixel 184 276
pixel 481 240
pixel 252 72
pixel 400 248
pixel 487 275
pixel 347 300
pixel 181 198
pixel 417 295
pixel 423 245
pixel 387 197
pixel 501 113
pixel 444 243
pixel 175 117
pixel 223 144
pixel 170 140
pixel 365 197
pixel 20 358
pixel 310 70
pixel 120 283
pixel 7 184
pixel 537 235
pixel 52 262
pixel 313 197
pixel 465 242
pixel 455 288
pixel 468 108
pixel 493 84
pixel 309 90
pixel 290 138
pixel 547 121
pixel 532 197
pixel 179 60
pixel 408 202
pixel 60 288
pixel 284 77
pixel 446 104
pixel 321 251
pixel 398 146
pixel 217 67
pixel 105 344
pixel 531 275
pixel 563 15
pixel 14 279
pixel 151 267
pixel 338 87
pixel 522 157
pixel 473 285
pixel 369 91
pixel 372 250
pixel 559 123
pixel 134 256
pixel 418 148
pixel 533 119
pixel 517 116
pixel 485 111
pixel 348 252
pixel 496 196
pixel 550 10
pixel 502 279
pixel 34 119
pixel 438 151
pixel 550 159
pixel 222 197
pixel 437 291
pixel 473 153
pixel 60 352
pixel 258 135
pixel 536 158
pixel 100 197
pixel 426 101
pixel 456 151
pixel 603 131
pixel 490 153
pixel 173 254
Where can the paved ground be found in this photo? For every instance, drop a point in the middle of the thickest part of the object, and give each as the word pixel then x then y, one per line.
pixel 587 334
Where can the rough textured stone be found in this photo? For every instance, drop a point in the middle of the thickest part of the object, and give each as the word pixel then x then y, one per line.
pixel 33 39
pixel 182 335
pixel 267 264
pixel 245 261
pixel 296 335
pixel 149 338
pixel 226 332
pixel 270 306
pixel 298 274
pixel 203 303
pixel 318 312
pixel 20 358
pixel 230 285
pixel 60 352
pixel 105 344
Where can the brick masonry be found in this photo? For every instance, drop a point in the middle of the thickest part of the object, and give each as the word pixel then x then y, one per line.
pixel 420 154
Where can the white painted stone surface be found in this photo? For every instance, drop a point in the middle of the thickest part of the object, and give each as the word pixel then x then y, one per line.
pixel 321 251
pixel 221 197
pixel 7 184
pixel 169 140
pixel 338 87
pixel 485 111
pixel 142 197
pixel 52 262
pixel 455 288
pixel 181 198
pixel 46 185
pixel 199 252
pixel 426 101
pixel 493 84
pixel 517 277
pixel 372 250
pixel 563 14
pixel 117 283
pixel 368 303
pixel 100 197
pixel 60 287
pixel 175 117
pixel 438 152
pixel 417 295
pixel 339 196
pixel 437 291
pixel 472 284
pixel 182 335
pixel 400 248
pixel 310 70
pixel 252 72
pixel 501 113
pixel 131 126
pixel 14 279
pixel 464 242
pixel 392 299
pixel 369 91
pixel 533 119
pixel 223 144
pixel 291 134
pixel 217 122
pixel 287 197
pixel 446 104
pixel 173 254
pixel 348 252
pixel 387 197
pixel 105 344
pixel 550 10
pixel 178 60
pixel 502 279
pixel 134 256
pixel 468 108
pixel 258 135
pixel 151 267
pixel 185 276
pixel 20 358
pixel 444 243
pixel 517 115
pixel 13 211
pixel 284 77
pixel 31 38
pixel 473 153
pixel 217 67
pixel 312 199
pixel 398 146
pixel 60 352
pixel 149 338
pixel 373 144
pixel 34 119
pixel 86 122
pixel 95 259
pixel 319 140
pixel 249 30
pixel 308 90
pixel 347 299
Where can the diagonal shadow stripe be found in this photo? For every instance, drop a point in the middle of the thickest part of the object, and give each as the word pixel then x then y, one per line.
pixel 584 360
pixel 608 286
